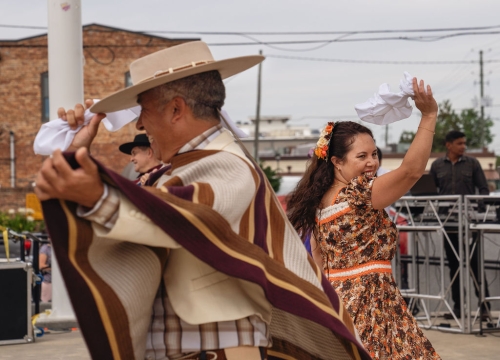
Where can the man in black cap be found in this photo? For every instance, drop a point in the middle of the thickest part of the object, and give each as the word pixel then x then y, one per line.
pixel 142 155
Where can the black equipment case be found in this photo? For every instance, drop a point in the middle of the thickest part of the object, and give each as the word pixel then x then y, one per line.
pixel 15 303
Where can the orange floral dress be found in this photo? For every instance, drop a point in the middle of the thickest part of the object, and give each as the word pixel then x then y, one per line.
pixel 357 243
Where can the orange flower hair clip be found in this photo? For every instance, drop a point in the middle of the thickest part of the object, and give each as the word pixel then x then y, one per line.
pixel 323 143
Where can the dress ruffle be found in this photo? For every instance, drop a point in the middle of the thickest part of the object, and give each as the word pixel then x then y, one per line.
pixel 380 314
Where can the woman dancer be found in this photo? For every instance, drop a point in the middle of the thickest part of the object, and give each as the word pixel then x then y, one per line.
pixel 341 203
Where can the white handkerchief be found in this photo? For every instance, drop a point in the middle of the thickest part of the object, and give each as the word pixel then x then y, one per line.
pixel 386 107
pixel 56 134
pixel 231 126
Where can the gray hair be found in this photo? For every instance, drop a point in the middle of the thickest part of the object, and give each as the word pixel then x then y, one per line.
pixel 203 93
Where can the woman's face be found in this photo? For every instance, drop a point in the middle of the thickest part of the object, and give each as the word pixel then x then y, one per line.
pixel 361 159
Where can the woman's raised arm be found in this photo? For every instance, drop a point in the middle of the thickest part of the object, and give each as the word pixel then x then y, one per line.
pixel 391 186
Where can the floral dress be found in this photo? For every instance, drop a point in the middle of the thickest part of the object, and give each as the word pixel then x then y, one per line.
pixel 357 243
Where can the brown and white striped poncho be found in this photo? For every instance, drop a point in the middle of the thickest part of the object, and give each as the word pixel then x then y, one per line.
pixel 308 320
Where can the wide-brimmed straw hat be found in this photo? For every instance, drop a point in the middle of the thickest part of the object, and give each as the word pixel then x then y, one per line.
pixel 171 64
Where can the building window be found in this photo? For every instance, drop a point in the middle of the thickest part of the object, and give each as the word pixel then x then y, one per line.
pixel 44 79
pixel 128 79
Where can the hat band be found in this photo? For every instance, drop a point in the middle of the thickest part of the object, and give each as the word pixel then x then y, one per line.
pixel 173 70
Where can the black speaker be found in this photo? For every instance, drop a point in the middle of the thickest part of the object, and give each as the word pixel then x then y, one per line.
pixel 15 303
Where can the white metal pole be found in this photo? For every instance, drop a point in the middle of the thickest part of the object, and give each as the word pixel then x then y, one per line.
pixel 65 49
pixel 65 55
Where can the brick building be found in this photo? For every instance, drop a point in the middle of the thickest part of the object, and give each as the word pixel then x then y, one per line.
pixel 24 98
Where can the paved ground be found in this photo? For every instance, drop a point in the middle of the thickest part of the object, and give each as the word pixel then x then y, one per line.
pixel 63 346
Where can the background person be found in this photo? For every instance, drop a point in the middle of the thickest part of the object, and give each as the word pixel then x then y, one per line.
pixel 45 264
pixel 341 202
pixel 458 174
pixel 380 170
pixel 142 156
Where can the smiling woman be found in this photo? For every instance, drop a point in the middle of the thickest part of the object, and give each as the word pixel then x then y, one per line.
pixel 340 202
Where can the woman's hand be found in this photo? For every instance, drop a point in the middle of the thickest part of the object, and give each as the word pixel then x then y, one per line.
pixel 424 100
pixel 391 186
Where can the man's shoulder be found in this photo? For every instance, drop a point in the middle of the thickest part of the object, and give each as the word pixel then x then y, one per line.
pixel 438 161
pixel 470 159
pixel 210 161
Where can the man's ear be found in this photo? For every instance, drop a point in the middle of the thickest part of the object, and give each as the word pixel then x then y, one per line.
pixel 179 108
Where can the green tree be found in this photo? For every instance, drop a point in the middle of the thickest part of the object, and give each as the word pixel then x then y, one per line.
pixel 468 121
pixel 471 121
pixel 272 176
pixel 447 120
pixel 407 137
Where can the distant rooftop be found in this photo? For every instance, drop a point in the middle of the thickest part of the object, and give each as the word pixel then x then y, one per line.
pixel 282 119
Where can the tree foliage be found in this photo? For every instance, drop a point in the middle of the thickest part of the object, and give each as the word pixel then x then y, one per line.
pixel 273 177
pixel 468 121
pixel 407 137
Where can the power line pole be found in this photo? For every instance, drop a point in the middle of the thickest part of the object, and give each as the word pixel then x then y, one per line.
pixel 481 100
pixel 386 136
pixel 257 116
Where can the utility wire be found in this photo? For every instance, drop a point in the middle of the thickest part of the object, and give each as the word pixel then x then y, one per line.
pixel 388 62
pixel 457 70
pixel 343 38
pixel 403 38
pixel 23 27
pixel 294 33
pixel 350 61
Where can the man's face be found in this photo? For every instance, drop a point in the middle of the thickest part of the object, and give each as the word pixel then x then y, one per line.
pixel 155 124
pixel 457 147
pixel 156 150
pixel 140 157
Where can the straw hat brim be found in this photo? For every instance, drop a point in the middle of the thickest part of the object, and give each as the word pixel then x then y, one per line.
pixel 127 98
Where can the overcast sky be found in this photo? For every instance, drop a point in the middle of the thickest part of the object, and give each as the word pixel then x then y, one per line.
pixel 306 90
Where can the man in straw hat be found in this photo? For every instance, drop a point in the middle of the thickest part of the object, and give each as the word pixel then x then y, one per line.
pixel 203 265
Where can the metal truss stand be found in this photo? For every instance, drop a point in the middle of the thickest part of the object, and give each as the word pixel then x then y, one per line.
pixel 481 223
pixel 427 215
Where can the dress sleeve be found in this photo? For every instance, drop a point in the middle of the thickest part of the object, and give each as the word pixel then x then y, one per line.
pixel 359 192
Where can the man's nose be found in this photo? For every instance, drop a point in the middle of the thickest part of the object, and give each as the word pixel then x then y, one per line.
pixel 138 124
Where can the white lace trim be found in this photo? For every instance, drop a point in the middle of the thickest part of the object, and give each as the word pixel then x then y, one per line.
pixel 331 210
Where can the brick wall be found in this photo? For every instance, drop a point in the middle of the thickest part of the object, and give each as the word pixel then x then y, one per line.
pixel 108 53
pixel 14 198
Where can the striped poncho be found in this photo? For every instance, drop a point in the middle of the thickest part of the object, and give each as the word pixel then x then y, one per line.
pixel 308 321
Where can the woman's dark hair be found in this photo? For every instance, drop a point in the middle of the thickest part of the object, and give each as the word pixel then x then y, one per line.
pixel 318 178
pixel 379 155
